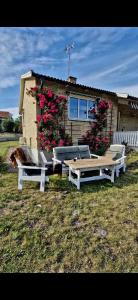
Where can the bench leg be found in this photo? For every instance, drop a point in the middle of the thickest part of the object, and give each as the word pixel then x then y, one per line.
pixel 42 182
pixel 117 172
pixel 69 174
pixel 124 168
pixel 20 181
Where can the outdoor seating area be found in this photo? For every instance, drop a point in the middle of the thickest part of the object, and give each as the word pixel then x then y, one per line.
pixel 77 161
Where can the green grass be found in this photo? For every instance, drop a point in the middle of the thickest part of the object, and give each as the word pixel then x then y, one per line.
pixel 65 230
pixel 4 147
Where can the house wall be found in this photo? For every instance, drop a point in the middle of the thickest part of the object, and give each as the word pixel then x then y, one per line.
pixel 29 118
pixel 118 116
pixel 128 118
pixel 77 128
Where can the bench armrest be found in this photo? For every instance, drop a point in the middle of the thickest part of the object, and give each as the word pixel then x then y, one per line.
pixel 32 168
pixel 49 163
pixel 121 159
pixel 57 160
pixel 91 155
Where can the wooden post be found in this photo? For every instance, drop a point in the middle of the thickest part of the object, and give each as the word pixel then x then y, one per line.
pixel 71 131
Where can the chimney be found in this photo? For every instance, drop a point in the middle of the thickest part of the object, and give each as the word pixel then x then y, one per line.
pixel 72 79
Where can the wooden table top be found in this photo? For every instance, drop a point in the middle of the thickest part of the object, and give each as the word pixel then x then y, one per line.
pixel 90 163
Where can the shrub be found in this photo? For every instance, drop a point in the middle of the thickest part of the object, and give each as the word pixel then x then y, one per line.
pixel 52 106
pixel 95 137
pixel 8 125
pixel 18 125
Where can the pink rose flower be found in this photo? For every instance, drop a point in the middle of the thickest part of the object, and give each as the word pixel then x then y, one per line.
pixel 61 143
pixel 39 118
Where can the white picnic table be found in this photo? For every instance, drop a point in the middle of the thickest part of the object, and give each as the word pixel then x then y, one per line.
pixel 80 166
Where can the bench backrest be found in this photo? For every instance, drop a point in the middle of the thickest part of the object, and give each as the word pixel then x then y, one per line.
pixel 116 149
pixel 70 152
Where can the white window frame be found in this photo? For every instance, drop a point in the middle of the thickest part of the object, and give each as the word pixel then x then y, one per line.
pixel 79 99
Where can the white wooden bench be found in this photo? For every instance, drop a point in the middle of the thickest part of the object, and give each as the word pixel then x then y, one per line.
pixel 114 151
pixel 60 154
pixel 23 176
pixel 32 172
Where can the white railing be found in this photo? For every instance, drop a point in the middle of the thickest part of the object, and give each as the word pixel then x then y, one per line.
pixel 130 137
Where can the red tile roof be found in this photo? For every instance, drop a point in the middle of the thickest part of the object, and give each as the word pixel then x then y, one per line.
pixel 4 114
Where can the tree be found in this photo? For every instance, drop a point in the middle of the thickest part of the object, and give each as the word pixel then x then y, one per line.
pixel 18 125
pixel 8 125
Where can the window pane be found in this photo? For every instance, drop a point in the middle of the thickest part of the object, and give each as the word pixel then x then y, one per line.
pixel 73 108
pixel 91 105
pixel 83 109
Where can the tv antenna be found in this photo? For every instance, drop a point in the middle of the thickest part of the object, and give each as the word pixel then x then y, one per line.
pixel 68 49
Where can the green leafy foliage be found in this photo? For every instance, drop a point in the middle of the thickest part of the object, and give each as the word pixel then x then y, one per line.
pixel 8 125
pixel 50 121
pixel 95 137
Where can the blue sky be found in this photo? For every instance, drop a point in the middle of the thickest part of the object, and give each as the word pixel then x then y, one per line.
pixel 105 58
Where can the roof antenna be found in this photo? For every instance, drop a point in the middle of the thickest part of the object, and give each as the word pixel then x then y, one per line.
pixel 68 51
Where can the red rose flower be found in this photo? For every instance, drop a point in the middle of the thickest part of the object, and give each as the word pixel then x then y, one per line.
pixel 110 104
pixel 53 143
pixel 52 106
pixel 61 143
pixel 35 88
pixel 105 139
pixel 39 118
pixel 50 94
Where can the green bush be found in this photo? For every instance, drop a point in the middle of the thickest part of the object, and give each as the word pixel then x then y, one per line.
pixel 18 125
pixel 8 125
pixel 1 159
pixel 0 127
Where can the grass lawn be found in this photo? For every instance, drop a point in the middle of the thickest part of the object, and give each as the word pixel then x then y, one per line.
pixel 66 230
pixel 4 146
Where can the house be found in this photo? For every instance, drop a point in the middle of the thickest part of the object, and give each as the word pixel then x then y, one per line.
pixel 122 116
pixel 4 115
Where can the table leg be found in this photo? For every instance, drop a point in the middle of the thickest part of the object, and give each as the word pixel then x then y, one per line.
pixel 101 173
pixel 112 175
pixel 78 179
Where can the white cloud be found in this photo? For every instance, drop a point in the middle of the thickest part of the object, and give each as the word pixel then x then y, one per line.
pixel 131 90
pixel 21 49
pixel 8 82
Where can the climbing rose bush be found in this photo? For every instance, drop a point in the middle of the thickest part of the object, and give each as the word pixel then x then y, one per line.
pixel 51 132
pixel 95 137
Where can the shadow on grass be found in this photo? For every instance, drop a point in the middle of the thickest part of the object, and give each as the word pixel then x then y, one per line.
pixel 57 184
pixel 123 181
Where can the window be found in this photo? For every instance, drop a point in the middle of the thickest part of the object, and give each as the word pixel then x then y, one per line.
pixel 83 109
pixel 80 109
pixel 91 105
pixel 74 108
